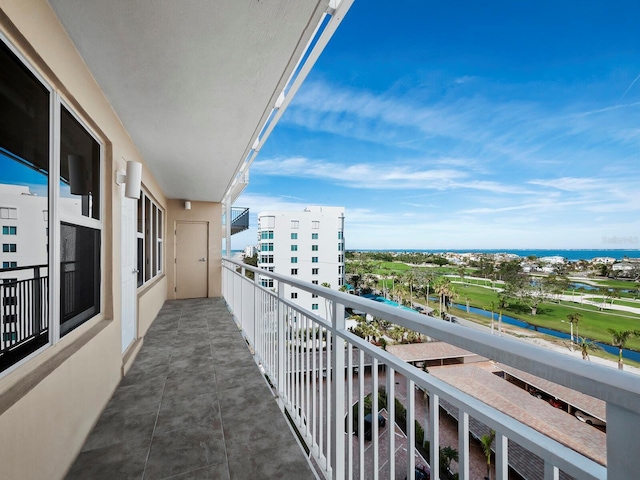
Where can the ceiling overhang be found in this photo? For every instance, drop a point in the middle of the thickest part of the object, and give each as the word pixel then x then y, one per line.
pixel 194 82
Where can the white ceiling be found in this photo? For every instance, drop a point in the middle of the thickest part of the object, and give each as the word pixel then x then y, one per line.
pixel 192 80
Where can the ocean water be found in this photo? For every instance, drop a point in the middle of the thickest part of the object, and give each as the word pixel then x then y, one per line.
pixel 571 255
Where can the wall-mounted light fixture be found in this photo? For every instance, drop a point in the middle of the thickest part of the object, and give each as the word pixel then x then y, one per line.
pixel 132 180
pixel 187 205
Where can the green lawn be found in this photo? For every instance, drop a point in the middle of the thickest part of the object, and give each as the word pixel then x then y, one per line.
pixel 616 301
pixel 593 324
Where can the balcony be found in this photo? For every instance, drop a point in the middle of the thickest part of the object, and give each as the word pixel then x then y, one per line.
pixel 239 220
pixel 197 401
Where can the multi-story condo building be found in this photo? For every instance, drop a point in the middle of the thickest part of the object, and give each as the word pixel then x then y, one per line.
pixel 308 245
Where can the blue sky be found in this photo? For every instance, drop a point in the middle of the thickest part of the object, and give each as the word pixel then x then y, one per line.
pixel 452 125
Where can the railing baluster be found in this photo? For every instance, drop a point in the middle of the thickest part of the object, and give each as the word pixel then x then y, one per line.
pixel 463 445
pixel 551 472
pixel 391 421
pixel 434 434
pixel 411 430
pixel 349 439
pixel 337 379
pixel 374 418
pixel 361 396
pixel 502 457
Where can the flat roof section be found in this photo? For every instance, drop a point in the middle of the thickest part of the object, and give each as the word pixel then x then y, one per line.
pixel 482 384
pixel 419 352
pixel 586 403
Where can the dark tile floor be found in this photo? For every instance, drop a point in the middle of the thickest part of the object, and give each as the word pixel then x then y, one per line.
pixel 193 406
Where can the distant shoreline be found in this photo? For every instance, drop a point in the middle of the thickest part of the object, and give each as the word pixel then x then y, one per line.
pixel 569 254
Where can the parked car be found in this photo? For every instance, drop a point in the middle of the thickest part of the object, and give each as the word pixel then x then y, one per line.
pixel 367 425
pixel 422 472
pixel 589 419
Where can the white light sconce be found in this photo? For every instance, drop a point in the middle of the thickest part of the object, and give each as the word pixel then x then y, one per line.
pixel 187 205
pixel 132 180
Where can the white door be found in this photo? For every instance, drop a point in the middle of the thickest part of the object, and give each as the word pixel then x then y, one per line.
pixel 128 270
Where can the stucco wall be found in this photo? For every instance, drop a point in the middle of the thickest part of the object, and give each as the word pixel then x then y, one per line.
pixel 200 212
pixel 49 404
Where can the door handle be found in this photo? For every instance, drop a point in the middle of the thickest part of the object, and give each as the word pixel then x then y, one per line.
pixel 135 270
pixel 203 259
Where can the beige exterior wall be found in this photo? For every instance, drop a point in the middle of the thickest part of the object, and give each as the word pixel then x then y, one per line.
pixel 49 404
pixel 200 212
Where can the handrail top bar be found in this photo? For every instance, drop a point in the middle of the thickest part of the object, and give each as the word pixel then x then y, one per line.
pixel 24 267
pixel 605 383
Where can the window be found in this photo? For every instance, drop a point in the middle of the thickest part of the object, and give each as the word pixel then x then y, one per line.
pixel 26 122
pixel 294 236
pixel 294 271
pixel 315 282
pixel 294 295
pixel 314 306
pixel 266 235
pixel 314 259
pixel 150 235
pixel 340 269
pixel 314 236
pixel 267 282
pixel 314 248
pixel 294 259
pixel 315 224
pixel 9 213
pixel 266 247
pixel 266 258
pixel 295 224
pixel 314 271
pixel 340 246
pixel 313 295
pixel 340 281
pixel 340 235
pixel 294 248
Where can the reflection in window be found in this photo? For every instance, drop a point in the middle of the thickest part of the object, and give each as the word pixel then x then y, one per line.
pixel 79 275
pixel 24 179
pixel 79 166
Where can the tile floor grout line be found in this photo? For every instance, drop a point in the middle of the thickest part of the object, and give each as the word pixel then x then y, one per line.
pixel 155 424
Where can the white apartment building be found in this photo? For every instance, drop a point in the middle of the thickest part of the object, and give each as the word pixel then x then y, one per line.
pixel 308 245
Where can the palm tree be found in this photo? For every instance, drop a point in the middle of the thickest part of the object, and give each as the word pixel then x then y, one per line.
pixel 586 345
pixel 448 455
pixel 445 291
pixel 620 339
pixel 410 278
pixel 492 307
pixel 486 441
pixel 574 318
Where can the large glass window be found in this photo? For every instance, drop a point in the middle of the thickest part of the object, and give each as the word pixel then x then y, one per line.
pixel 150 239
pixel 79 238
pixel 25 105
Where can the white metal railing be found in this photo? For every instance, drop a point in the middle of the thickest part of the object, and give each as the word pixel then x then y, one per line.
pixel 314 363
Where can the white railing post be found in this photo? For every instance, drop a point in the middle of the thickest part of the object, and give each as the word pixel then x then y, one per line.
pixel 463 445
pixel 337 391
pixel 280 316
pixel 502 457
pixel 623 426
pixel 434 434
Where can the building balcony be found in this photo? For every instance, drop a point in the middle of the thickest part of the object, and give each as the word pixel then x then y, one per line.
pixel 239 220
